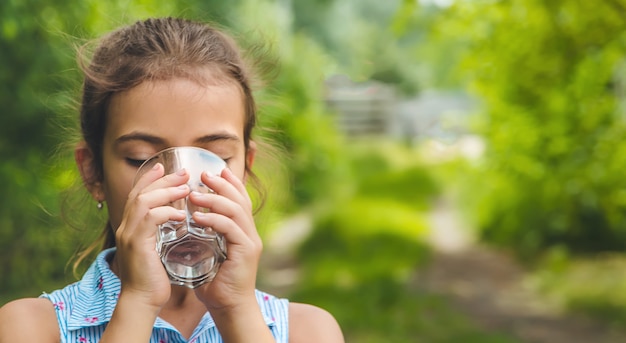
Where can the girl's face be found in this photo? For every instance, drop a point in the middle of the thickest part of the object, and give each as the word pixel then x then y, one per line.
pixel 161 114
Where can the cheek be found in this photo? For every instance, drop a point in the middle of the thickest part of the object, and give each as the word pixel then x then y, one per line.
pixel 117 189
pixel 116 208
pixel 238 168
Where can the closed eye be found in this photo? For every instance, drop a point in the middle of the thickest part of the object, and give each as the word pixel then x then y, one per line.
pixel 134 162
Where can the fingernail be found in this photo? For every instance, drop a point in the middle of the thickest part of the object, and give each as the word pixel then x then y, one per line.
pixel 155 167
pixel 183 187
pixel 199 214
pixel 181 172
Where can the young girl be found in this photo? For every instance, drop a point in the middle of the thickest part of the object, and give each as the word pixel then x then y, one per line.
pixel 156 84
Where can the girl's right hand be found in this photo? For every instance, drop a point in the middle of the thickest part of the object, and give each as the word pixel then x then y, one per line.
pixel 138 265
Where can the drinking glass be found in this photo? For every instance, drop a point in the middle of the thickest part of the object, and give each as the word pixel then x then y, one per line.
pixel 191 254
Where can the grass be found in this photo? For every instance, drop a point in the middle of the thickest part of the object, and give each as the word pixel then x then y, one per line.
pixel 592 285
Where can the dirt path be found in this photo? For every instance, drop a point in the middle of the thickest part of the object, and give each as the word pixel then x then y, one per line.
pixel 487 286
pixel 490 288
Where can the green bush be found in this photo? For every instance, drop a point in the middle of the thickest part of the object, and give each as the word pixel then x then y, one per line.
pixel 363 240
pixel 412 186
pixel 552 122
pixel 385 170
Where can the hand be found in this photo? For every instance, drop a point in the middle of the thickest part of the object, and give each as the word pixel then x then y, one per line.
pixel 139 267
pixel 231 215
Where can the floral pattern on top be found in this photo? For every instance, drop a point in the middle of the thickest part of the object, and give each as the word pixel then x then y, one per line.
pixel 85 307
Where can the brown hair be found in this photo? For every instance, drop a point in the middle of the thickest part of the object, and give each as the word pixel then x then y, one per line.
pixel 156 49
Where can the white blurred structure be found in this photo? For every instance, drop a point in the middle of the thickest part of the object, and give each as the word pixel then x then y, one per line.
pixel 373 108
pixel 362 109
pixel 437 115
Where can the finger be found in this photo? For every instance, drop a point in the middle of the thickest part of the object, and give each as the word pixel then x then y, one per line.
pixel 150 176
pixel 224 225
pixel 226 207
pixel 160 196
pixel 216 203
pixel 162 214
pixel 228 175
pixel 174 179
pixel 229 186
pixel 146 227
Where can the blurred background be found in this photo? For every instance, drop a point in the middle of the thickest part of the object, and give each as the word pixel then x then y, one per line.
pixel 449 170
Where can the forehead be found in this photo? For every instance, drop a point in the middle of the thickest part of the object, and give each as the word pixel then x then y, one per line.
pixel 177 110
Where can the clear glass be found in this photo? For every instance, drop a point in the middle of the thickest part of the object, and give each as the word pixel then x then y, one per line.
pixel 191 254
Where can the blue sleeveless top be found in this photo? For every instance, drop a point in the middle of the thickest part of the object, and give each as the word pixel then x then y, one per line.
pixel 84 308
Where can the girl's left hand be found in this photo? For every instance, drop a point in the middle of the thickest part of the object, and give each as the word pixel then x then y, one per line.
pixel 231 215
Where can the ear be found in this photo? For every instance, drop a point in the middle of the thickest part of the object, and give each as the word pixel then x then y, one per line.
pixel 251 154
pixel 85 162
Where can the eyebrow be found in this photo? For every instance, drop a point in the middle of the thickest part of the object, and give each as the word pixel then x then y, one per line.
pixel 218 136
pixel 146 137
pixel 139 136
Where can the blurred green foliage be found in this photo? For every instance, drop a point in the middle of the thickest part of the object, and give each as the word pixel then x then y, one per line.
pixel 550 77
pixel 30 183
pixel 366 37
pixel 361 260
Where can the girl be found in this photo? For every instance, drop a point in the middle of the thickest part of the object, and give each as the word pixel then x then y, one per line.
pixel 156 84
